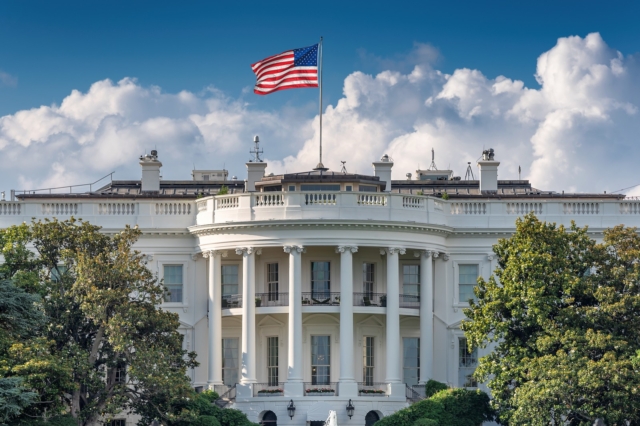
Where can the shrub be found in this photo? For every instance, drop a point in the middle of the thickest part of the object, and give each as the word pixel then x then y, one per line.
pixel 426 422
pixel 433 387
pixel 206 421
pixel 55 421
pixel 224 190
pixel 445 196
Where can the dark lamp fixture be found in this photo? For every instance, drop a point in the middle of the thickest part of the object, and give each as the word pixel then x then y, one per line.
pixel 291 409
pixel 350 409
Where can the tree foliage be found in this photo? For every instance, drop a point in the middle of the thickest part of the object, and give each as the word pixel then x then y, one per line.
pixel 562 315
pixel 102 319
pixel 447 407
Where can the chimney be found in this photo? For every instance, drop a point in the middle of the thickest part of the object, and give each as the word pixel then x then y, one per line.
pixel 150 172
pixel 382 169
pixel 488 172
pixel 255 173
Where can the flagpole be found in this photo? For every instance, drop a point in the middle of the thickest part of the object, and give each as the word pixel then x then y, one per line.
pixel 320 165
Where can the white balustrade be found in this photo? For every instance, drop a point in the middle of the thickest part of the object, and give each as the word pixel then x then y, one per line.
pixel 321 198
pixel 524 208
pixel 469 208
pixel 10 208
pixel 117 208
pixel 267 199
pixel 64 209
pixel 412 202
pixel 372 200
pixel 173 209
pixel 632 207
pixel 228 202
pixel 581 208
pixel 438 205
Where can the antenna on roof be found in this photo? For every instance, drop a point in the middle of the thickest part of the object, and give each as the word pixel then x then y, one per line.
pixel 256 151
pixel 519 170
pixel 469 174
pixel 344 168
pixel 433 161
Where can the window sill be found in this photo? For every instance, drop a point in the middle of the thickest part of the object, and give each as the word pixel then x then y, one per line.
pixel 174 305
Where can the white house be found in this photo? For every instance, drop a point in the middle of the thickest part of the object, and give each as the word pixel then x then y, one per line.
pixel 322 289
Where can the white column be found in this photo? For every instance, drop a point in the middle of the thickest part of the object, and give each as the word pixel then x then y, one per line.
pixel 294 385
pixel 394 344
pixel 347 385
pixel 426 314
pixel 215 317
pixel 248 362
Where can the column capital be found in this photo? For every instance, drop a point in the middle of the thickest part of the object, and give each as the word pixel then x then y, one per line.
pixel 211 253
pixel 393 250
pixel 343 249
pixel 245 251
pixel 425 253
pixel 294 249
pixel 445 256
pixel 491 256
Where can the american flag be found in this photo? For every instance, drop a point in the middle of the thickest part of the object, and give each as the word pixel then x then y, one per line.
pixel 288 70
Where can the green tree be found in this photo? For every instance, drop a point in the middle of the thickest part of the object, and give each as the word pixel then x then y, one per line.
pixel 106 344
pixel 562 317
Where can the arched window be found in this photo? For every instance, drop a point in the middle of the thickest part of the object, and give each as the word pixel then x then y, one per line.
pixel 269 419
pixel 371 418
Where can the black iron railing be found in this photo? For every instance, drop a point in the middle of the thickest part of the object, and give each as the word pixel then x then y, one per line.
pixel 326 389
pixel 409 301
pixel 227 395
pixel 266 389
pixel 320 298
pixel 231 301
pixel 370 299
pixel 412 395
pixel 372 389
pixel 272 299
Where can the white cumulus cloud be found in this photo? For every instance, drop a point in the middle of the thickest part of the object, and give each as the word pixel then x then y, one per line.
pixel 576 132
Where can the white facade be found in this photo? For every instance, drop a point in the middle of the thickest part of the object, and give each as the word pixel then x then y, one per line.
pixel 397 265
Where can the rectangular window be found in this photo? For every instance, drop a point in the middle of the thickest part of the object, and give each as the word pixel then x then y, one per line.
pixel 320 360
pixel 229 285
pixel 272 360
pixel 272 281
pixel 467 363
pixel 205 177
pixel 320 280
pixel 348 188
pixel 411 280
pixel 230 361
pixel 118 422
pixel 411 358
pixel 368 279
pixel 368 188
pixel 173 283
pixel 467 281
pixel 325 187
pixel 368 361
pixel 292 188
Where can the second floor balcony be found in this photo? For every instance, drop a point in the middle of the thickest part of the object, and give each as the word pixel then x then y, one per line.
pixel 273 299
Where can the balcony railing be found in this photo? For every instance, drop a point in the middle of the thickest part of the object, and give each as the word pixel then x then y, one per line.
pixel 410 301
pixel 272 299
pixel 320 298
pixel 327 389
pixel 372 389
pixel 266 389
pixel 231 301
pixel 370 299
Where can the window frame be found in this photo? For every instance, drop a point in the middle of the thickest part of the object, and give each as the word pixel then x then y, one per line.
pixel 185 268
pixel 314 380
pixel 365 281
pixel 237 359
pixel 238 285
pixel 368 360
pixel 273 371
pixel 457 303
pixel 418 358
pixel 324 293
pixel 402 266
pixel 272 295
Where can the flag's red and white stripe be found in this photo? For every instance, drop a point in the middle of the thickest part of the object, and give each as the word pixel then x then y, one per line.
pixel 278 72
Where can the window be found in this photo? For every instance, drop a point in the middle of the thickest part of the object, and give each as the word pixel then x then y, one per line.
pixel 368 279
pixel 368 361
pixel 320 279
pixel 292 188
pixel 467 281
pixel 230 361
pixel 272 281
pixel 320 360
pixel 467 363
pixel 173 283
pixel 272 188
pixel 205 177
pixel 411 358
pixel 272 360
pixel 348 188
pixel 229 280
pixel 118 422
pixel 367 188
pixel 411 279
pixel 371 418
pixel 120 375
pixel 320 187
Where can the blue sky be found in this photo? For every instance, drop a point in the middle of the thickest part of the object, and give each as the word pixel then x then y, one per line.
pixel 48 49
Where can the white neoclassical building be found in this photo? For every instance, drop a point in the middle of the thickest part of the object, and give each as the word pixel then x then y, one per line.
pixel 321 290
